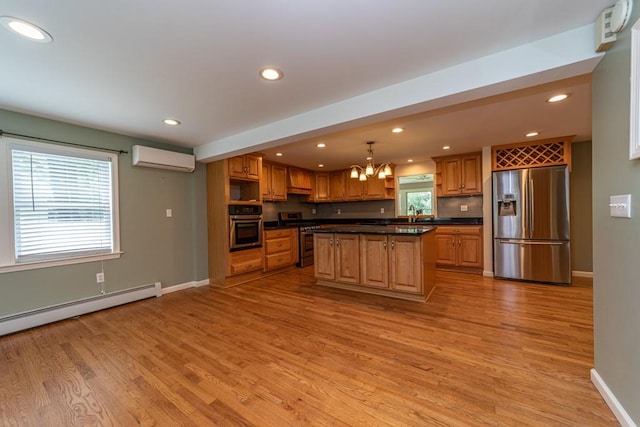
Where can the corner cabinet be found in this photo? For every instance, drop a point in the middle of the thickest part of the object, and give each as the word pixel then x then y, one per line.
pixel 459 175
pixel 459 246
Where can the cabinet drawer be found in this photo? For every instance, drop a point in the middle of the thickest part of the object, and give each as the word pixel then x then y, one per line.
pixel 459 229
pixel 277 234
pixel 244 266
pixel 245 261
pixel 278 260
pixel 275 246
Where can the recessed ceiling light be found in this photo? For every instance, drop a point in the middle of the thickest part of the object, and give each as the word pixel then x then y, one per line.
pixel 410 160
pixel 558 98
pixel 446 147
pixel 279 154
pixel 271 74
pixel 320 165
pixel 531 134
pixel 171 122
pixel 397 130
pixel 26 29
pixel 321 145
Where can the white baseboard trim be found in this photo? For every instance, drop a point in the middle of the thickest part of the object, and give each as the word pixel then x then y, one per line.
pixel 183 286
pixel 621 415
pixel 588 274
pixel 30 319
pixel 487 273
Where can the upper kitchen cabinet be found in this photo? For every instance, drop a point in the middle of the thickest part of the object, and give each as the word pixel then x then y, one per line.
pixel 322 193
pixel 273 184
pixel 247 167
pixel 329 187
pixel 337 186
pixel 371 189
pixel 299 181
pixel 459 175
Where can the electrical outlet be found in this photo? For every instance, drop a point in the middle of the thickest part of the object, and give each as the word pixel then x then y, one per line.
pixel 100 277
pixel 339 211
pixel 464 208
pixel 169 213
pixel 313 211
pixel 381 210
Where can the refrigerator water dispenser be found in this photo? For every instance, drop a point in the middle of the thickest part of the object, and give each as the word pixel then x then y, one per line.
pixel 507 205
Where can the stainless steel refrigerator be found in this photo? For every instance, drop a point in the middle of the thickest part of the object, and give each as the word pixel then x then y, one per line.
pixel 531 225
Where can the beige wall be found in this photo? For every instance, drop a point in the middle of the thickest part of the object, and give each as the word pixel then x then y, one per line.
pixel 616 266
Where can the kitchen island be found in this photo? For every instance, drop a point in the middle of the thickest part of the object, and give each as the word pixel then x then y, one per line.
pixel 397 261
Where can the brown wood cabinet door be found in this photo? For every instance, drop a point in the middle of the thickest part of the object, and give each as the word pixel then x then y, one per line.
pixel 347 252
pixel 355 189
pixel 278 182
pixel 451 183
pixel 469 250
pixel 374 260
pixel 471 174
pixel 322 187
pixel 405 264
pixel 324 256
pixel 446 249
pixel 236 167
pixel 337 186
pixel 375 188
pixel 265 182
pixel 254 166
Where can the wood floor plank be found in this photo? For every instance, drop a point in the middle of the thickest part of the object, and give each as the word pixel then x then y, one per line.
pixel 281 351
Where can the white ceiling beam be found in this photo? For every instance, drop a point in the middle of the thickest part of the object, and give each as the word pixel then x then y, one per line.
pixel 558 57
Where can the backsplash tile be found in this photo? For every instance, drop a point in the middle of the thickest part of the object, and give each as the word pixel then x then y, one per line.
pixel 449 207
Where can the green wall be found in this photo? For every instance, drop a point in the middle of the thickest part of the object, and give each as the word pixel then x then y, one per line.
pixel 581 202
pixel 156 249
pixel 616 266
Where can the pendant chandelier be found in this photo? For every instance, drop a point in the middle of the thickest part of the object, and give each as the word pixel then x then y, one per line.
pixel 362 173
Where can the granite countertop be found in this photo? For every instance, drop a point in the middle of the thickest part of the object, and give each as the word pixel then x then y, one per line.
pixel 270 225
pixel 378 229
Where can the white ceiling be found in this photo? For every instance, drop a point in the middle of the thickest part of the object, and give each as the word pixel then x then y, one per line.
pixel 123 66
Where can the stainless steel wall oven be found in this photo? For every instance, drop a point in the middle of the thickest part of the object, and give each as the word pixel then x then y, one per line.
pixel 245 227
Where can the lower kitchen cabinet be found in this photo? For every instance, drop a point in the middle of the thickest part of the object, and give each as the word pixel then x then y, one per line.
pixel 324 263
pixel 387 264
pixel 280 248
pixel 244 261
pixel 405 264
pixel 459 246
pixel 336 257
pixel 392 262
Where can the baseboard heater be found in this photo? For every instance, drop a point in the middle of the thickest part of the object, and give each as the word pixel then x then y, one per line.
pixel 29 319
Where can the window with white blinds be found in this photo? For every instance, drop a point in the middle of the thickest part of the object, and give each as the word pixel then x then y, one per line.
pixel 63 202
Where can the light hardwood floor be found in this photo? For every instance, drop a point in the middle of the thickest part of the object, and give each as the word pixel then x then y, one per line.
pixel 280 351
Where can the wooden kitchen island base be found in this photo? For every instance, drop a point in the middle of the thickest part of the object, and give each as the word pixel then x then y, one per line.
pixel 397 262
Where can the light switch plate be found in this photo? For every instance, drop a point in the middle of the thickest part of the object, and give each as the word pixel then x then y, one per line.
pixel 169 213
pixel 620 206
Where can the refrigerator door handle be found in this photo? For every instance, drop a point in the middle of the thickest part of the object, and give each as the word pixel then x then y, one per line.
pixel 529 242
pixel 531 208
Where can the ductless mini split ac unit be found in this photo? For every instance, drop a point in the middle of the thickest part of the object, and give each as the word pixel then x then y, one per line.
pixel 163 159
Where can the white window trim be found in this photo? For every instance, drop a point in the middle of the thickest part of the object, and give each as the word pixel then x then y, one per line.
pixel 7 249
